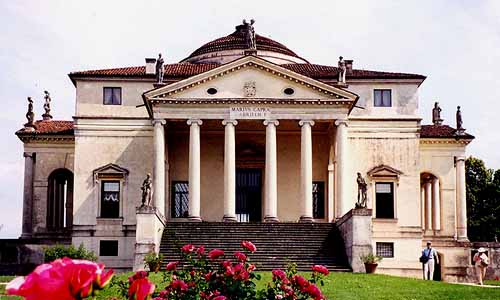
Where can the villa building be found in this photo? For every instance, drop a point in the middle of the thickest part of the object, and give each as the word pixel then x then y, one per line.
pixel 244 130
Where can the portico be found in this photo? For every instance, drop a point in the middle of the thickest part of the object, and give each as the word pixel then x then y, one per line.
pixel 317 104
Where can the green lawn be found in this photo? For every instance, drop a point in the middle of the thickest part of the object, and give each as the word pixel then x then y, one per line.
pixel 348 286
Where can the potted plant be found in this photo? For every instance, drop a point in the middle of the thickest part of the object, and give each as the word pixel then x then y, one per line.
pixel 371 262
pixel 153 261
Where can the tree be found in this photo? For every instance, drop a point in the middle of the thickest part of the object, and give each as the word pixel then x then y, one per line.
pixel 483 201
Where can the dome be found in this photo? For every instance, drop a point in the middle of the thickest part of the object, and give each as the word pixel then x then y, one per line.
pixel 234 46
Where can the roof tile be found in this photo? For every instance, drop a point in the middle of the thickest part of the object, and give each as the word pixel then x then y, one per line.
pixel 53 127
pixel 441 131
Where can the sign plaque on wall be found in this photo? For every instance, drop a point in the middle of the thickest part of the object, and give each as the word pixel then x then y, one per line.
pixel 245 112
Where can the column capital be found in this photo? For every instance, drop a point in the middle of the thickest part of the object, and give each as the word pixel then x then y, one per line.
pixel 229 121
pixel 271 122
pixel 194 121
pixel 303 122
pixel 341 122
pixel 460 158
pixel 159 121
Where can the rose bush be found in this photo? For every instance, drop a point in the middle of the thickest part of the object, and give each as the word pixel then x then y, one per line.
pixel 221 276
pixel 62 279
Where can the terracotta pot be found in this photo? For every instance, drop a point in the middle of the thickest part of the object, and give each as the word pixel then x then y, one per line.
pixel 370 267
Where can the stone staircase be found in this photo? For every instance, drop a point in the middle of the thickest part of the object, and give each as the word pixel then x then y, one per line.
pixel 277 243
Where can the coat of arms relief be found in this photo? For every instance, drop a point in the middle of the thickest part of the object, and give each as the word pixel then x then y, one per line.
pixel 249 89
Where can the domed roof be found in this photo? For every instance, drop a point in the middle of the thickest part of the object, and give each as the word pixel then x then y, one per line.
pixel 238 41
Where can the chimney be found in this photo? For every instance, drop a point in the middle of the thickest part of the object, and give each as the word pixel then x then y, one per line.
pixel 150 66
pixel 348 65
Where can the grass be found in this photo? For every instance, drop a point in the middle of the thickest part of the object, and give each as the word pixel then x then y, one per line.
pixel 492 282
pixel 6 278
pixel 348 286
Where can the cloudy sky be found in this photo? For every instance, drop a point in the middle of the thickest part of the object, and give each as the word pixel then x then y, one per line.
pixel 455 43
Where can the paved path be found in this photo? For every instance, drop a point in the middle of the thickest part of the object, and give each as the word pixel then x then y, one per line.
pixel 475 284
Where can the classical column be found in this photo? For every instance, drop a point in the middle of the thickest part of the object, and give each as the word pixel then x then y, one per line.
pixel 306 170
pixel 422 206
pixel 159 166
pixel 29 161
pixel 436 201
pixel 461 200
pixel 271 183
pixel 428 205
pixel 343 205
pixel 194 169
pixel 229 171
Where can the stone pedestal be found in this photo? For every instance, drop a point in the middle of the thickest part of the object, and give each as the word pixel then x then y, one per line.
pixel 356 230
pixel 149 229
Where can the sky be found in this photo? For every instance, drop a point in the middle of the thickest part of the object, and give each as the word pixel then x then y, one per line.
pixel 456 44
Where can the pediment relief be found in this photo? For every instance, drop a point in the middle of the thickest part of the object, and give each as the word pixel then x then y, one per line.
pixel 250 78
pixel 384 171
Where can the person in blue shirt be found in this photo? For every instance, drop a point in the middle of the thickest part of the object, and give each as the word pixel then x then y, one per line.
pixel 433 258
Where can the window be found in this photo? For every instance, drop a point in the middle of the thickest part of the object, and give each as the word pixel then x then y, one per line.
pixel 382 98
pixel 112 96
pixel 318 189
pixel 180 199
pixel 385 249
pixel 108 248
pixel 212 91
pixel 289 91
pixel 384 198
pixel 110 199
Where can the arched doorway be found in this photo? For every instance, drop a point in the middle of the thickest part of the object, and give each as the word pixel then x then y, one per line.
pixel 60 200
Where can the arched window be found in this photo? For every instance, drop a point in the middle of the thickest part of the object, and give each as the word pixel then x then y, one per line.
pixel 60 200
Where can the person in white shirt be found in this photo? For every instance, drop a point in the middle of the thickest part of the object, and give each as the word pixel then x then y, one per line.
pixel 432 258
pixel 481 262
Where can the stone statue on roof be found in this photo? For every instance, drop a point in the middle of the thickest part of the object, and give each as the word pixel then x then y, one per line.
pixel 362 196
pixel 436 114
pixel 250 34
pixel 460 128
pixel 159 69
pixel 147 191
pixel 46 106
pixel 30 115
pixel 342 69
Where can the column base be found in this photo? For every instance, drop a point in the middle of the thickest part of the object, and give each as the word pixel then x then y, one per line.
pixel 229 219
pixel 271 219
pixel 194 219
pixel 306 219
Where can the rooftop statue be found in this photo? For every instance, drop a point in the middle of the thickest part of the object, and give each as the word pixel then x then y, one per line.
pixel 46 106
pixel 250 34
pixel 342 69
pixel 436 114
pixel 159 69
pixel 147 191
pixel 30 115
pixel 362 197
pixel 460 128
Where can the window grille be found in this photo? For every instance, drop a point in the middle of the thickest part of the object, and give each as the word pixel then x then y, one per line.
pixel 385 249
pixel 180 199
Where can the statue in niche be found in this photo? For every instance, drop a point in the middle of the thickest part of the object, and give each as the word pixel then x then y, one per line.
pixel 30 115
pixel 342 69
pixel 46 106
pixel 160 71
pixel 436 114
pixel 250 35
pixel 362 197
pixel 147 191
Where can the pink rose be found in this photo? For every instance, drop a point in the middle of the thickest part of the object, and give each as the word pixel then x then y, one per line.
pixel 172 266
pixel 320 269
pixel 214 254
pixel 188 248
pixel 249 246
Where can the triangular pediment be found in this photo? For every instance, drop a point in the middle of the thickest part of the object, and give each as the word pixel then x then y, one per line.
pixel 384 171
pixel 111 169
pixel 250 78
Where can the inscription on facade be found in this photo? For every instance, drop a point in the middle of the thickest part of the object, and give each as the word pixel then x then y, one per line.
pixel 240 112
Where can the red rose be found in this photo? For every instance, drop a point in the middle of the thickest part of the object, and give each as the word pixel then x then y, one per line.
pixel 219 298
pixel 140 288
pixel 279 274
pixel 172 266
pixel 251 268
pixel 201 251
pixel 214 254
pixel 188 248
pixel 314 292
pixel 249 246
pixel 240 256
pixel 320 269
pixel 179 285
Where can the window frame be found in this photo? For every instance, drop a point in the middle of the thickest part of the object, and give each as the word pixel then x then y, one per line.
pixel 323 193
pixel 172 198
pixel 382 97
pixel 377 244
pixel 394 185
pixel 112 93
pixel 101 199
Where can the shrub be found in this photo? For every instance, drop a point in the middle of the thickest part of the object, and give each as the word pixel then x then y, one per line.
pixel 52 253
pixel 370 258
